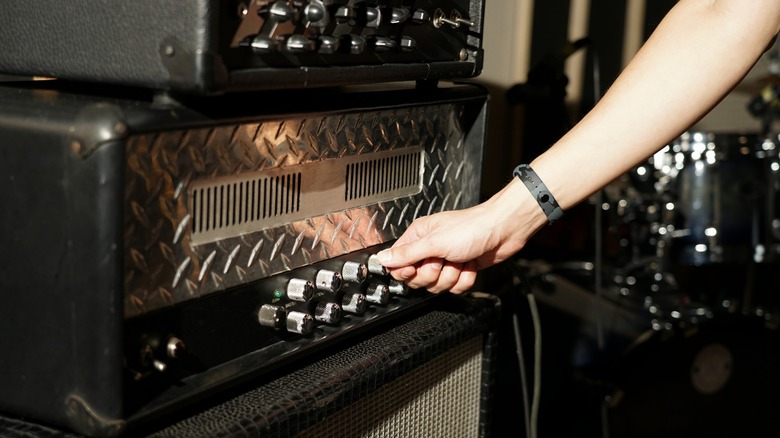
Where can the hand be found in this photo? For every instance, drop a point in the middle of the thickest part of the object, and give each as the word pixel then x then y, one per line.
pixel 444 251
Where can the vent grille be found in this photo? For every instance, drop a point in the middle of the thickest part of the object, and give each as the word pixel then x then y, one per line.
pixel 370 178
pixel 235 203
pixel 226 207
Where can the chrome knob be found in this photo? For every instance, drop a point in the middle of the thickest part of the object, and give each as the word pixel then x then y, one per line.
pixel 377 294
pixel 344 14
pixel 327 312
pixel 356 44
pixel 328 45
pixel 398 288
pixel 299 322
pixel 316 14
pixel 299 44
pixel 354 272
pixel 271 316
pixel 299 289
pixel 407 44
pixel 175 348
pixel 420 16
pixel 281 11
pixel 259 44
pixel 354 303
pixel 375 267
pixel 328 281
pixel 373 17
pixel 383 44
pixel 398 15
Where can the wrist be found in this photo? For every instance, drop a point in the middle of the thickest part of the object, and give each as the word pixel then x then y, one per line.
pixel 539 192
pixel 517 214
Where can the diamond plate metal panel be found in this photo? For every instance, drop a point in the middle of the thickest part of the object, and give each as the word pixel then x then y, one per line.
pixel 163 266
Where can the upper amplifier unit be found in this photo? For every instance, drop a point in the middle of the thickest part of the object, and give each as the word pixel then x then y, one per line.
pixel 208 46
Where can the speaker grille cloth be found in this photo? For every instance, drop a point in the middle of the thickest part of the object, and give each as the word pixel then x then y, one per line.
pixel 440 399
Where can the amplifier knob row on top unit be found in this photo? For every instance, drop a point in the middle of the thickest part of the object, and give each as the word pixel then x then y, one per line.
pixel 213 46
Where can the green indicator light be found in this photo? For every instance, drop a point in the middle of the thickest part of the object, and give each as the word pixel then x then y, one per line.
pixel 278 294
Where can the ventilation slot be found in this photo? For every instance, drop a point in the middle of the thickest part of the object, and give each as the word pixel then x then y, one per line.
pixel 230 206
pixel 373 178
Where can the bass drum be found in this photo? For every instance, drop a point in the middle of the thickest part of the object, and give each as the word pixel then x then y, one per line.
pixel 667 366
pixel 721 378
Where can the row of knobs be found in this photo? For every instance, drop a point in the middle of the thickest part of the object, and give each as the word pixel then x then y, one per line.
pixel 315 14
pixel 330 312
pixel 328 45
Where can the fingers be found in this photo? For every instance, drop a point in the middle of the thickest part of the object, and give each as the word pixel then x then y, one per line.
pixel 403 255
pixel 404 273
pixel 411 248
pixel 437 276
pixel 466 279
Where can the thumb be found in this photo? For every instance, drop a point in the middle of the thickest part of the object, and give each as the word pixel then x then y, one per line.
pixel 404 255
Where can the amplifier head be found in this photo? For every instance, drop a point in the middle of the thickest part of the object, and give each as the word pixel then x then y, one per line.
pixel 211 46
pixel 213 207
pixel 164 250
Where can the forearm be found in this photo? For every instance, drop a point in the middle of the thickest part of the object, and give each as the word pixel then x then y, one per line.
pixel 698 53
pixel 695 57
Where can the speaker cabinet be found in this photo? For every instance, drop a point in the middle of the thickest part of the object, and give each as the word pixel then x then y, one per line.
pixel 429 375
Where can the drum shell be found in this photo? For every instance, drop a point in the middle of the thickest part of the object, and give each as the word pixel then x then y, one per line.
pixel 717 194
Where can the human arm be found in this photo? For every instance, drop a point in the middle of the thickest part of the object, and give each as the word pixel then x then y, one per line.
pixel 698 53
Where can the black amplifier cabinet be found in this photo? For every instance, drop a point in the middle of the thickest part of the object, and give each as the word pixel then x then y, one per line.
pixel 155 251
pixel 207 46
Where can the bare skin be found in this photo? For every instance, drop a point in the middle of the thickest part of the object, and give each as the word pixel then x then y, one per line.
pixel 698 53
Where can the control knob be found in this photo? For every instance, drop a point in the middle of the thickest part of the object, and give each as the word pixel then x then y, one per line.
pixel 407 44
pixel 300 290
pixel 355 44
pixel 328 281
pixel 271 316
pixel 327 312
pixel 175 348
pixel 299 322
pixel 259 44
pixel 373 17
pixel 420 16
pixel 344 14
pixel 375 267
pixel 299 44
pixel 398 288
pixel 354 272
pixel 279 11
pixel 354 303
pixel 328 45
pixel 316 14
pixel 398 15
pixel 382 44
pixel 377 294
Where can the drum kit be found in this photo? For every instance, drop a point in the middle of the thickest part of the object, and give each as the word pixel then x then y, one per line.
pixel 679 318
pixel 699 223
pixel 698 231
pixel 675 320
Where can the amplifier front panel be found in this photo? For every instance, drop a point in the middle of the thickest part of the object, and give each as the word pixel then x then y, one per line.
pixel 177 249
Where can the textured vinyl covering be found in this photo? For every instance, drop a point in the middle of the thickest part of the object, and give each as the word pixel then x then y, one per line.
pixel 435 365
